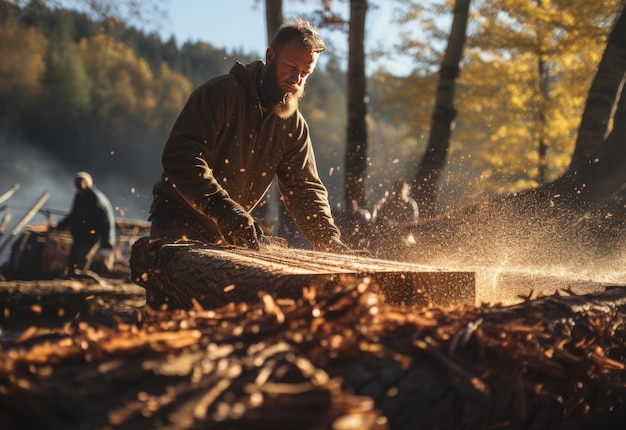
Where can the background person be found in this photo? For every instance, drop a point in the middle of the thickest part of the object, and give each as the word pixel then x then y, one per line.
pixel 396 208
pixel 91 222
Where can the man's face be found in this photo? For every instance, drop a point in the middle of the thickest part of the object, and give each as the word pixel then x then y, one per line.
pixel 285 76
pixel 81 185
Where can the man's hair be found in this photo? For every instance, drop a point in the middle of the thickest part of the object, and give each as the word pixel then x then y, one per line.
pixel 86 176
pixel 301 30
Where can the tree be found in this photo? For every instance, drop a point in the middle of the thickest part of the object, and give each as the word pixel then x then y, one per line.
pixel 572 221
pixel 66 80
pixel 171 91
pixel 434 160
pixel 598 168
pixel 596 118
pixel 273 17
pixel 271 210
pixel 543 55
pixel 22 67
pixel 356 139
pixel 103 9
pixel 526 73
pixel 123 85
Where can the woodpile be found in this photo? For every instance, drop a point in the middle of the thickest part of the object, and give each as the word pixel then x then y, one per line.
pixel 340 359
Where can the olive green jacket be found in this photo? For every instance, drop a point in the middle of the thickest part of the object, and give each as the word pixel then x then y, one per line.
pixel 224 145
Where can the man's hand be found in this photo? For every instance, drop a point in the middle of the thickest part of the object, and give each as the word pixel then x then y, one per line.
pixel 236 225
pixel 336 246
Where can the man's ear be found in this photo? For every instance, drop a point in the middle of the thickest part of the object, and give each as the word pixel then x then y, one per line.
pixel 269 54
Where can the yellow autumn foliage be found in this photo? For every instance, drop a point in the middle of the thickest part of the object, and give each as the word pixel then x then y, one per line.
pixel 526 72
pixel 22 64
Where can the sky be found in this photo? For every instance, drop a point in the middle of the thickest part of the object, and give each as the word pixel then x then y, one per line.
pixel 240 25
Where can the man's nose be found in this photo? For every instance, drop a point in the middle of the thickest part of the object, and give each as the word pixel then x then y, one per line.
pixel 296 78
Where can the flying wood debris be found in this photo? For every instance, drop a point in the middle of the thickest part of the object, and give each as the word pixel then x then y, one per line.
pixel 338 359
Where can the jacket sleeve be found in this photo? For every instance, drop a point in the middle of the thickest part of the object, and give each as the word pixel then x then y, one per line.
pixel 304 195
pixel 193 136
pixel 67 221
pixel 106 221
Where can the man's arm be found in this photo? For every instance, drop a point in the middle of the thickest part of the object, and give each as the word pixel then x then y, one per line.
pixel 305 196
pixel 67 221
pixel 105 220
pixel 191 142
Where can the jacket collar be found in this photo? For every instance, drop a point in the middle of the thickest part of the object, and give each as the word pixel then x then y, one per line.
pixel 249 75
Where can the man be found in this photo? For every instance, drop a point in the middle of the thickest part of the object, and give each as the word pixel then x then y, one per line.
pixel 397 208
pixel 234 135
pixel 91 222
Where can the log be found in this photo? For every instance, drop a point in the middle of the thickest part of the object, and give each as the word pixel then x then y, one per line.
pixel 342 359
pixel 25 219
pixel 9 193
pixel 213 276
pixel 57 301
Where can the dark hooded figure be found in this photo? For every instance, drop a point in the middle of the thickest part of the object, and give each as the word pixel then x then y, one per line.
pixel 397 208
pixel 91 222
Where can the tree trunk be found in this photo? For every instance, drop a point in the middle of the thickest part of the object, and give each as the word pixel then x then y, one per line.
pixel 271 211
pixel 433 161
pixel 602 98
pixel 273 17
pixel 356 145
pixel 598 169
pixel 604 175
pixel 542 125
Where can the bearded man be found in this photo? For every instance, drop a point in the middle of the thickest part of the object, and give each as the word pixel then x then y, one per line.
pixel 234 135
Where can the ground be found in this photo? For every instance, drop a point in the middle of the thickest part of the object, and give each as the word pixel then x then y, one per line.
pixel 90 355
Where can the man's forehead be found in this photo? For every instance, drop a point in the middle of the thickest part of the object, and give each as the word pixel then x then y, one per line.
pixel 297 51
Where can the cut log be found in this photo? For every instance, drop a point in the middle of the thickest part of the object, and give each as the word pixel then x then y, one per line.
pixel 214 275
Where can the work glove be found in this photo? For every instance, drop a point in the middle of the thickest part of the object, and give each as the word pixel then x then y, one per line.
pixel 235 223
pixel 263 239
pixel 338 247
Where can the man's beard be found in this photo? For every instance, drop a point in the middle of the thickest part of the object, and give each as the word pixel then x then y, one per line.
pixel 284 104
pixel 289 104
